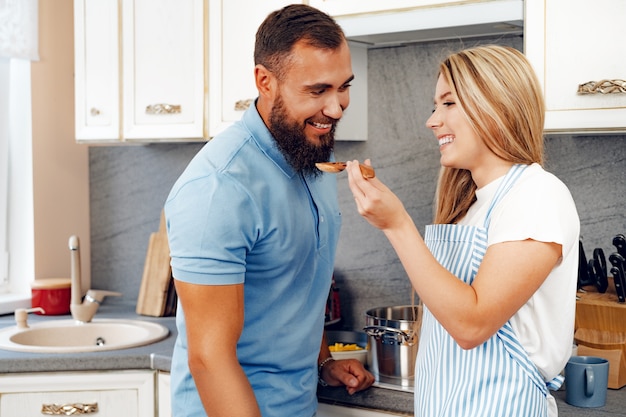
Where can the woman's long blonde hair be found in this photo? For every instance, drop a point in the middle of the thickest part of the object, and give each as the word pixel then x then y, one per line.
pixel 499 93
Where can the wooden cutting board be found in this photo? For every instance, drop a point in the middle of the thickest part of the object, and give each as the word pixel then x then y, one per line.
pixel 155 294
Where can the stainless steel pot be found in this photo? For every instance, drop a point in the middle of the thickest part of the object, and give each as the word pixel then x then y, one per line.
pixel 394 334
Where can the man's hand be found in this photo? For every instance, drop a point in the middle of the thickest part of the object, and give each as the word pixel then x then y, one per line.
pixel 348 372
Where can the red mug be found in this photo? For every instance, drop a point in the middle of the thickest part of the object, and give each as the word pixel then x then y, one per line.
pixel 53 295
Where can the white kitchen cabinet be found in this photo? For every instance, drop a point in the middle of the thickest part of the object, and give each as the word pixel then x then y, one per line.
pixel 570 45
pixel 396 22
pixel 231 67
pixel 231 57
pixel 347 7
pixel 164 399
pixel 114 394
pixel 96 70
pixel 140 70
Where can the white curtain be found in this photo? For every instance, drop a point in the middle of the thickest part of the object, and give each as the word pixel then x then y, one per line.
pixel 18 45
pixel 18 29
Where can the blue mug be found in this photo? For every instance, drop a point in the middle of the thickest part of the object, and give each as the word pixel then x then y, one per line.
pixel 586 380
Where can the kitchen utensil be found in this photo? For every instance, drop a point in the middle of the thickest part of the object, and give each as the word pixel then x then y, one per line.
pixel 52 294
pixel 586 379
pixel 335 167
pixel 600 339
pixel 156 293
pixel 393 333
pixel 583 268
pixel 598 271
pixel 619 241
pixel 619 264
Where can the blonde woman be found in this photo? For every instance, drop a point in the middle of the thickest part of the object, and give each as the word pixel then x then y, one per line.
pixel 497 271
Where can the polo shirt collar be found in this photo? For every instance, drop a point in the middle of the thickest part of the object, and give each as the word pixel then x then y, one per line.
pixel 262 136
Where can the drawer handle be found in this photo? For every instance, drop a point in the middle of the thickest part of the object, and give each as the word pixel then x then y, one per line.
pixel 603 87
pixel 69 409
pixel 163 108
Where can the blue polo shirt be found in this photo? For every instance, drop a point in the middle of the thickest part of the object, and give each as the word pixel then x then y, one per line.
pixel 240 214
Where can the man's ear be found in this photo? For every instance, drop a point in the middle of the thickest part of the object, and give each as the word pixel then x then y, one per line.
pixel 264 80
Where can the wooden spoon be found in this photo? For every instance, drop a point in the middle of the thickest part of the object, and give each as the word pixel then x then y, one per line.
pixel 335 167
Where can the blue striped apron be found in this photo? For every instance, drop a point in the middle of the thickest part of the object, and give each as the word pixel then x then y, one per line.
pixel 496 378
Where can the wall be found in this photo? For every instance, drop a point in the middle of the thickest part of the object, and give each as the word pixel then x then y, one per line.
pixel 60 165
pixel 130 184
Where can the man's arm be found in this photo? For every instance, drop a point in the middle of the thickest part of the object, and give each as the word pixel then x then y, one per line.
pixel 348 372
pixel 214 320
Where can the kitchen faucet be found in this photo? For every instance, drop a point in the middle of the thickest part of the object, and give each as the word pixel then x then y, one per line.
pixel 83 310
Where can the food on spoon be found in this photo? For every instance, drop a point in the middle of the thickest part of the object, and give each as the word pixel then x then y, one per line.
pixel 334 167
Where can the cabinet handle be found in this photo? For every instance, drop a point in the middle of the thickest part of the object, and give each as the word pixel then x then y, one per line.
pixel 163 108
pixel 603 87
pixel 94 111
pixel 69 409
pixel 242 105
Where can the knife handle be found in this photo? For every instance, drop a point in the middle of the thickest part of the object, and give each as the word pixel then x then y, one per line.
pixel 620 284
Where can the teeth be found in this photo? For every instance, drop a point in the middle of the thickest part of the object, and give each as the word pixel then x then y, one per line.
pixel 321 125
pixel 446 139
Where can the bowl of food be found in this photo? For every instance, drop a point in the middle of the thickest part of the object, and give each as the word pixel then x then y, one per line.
pixel 348 345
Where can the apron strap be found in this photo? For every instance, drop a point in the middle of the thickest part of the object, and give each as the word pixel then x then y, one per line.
pixel 509 179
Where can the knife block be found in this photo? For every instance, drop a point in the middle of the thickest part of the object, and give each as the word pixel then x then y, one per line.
pixel 601 331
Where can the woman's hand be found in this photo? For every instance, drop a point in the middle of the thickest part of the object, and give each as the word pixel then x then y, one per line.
pixel 374 201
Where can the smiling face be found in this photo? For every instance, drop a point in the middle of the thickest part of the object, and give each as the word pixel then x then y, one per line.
pixel 459 144
pixel 303 106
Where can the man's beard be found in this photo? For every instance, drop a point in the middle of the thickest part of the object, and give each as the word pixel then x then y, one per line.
pixel 292 142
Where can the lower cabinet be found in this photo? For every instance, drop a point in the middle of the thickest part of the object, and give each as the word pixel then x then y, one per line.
pixel 105 394
pixel 164 399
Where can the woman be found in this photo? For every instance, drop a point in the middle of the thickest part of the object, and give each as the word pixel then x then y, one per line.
pixel 497 271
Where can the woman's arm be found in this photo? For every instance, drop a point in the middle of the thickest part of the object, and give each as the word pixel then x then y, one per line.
pixel 508 276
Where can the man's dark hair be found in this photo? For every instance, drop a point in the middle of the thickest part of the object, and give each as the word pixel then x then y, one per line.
pixel 283 28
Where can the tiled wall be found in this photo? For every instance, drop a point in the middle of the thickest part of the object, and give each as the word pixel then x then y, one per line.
pixel 130 184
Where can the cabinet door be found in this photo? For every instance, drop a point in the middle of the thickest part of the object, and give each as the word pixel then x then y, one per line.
pixel 346 7
pixel 231 57
pixel 123 393
pixel 97 93
pixel 163 69
pixel 163 395
pixel 570 46
pixel 231 60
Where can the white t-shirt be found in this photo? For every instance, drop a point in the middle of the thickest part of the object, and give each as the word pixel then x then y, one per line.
pixel 539 207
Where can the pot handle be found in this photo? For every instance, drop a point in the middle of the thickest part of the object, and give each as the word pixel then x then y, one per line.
pixel 377 331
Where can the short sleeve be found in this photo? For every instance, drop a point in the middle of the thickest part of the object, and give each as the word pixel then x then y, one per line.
pixel 538 207
pixel 211 226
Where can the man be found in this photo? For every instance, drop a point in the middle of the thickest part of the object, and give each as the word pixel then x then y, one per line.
pixel 253 228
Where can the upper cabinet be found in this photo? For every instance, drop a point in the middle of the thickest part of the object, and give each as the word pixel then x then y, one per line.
pixel 231 67
pixel 581 62
pixel 394 22
pixel 232 27
pixel 139 70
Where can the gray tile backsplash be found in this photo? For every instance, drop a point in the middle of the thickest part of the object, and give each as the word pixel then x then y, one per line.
pixel 130 183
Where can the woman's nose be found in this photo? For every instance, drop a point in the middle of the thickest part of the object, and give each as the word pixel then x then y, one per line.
pixel 433 121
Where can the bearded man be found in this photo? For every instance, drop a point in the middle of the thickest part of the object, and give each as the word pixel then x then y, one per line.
pixel 253 228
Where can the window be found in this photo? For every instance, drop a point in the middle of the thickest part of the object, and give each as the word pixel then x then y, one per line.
pixel 18 45
pixel 16 190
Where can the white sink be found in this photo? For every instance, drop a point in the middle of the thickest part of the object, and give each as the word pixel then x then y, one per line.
pixel 66 336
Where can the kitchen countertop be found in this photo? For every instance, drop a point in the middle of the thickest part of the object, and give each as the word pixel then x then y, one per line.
pixel 157 356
